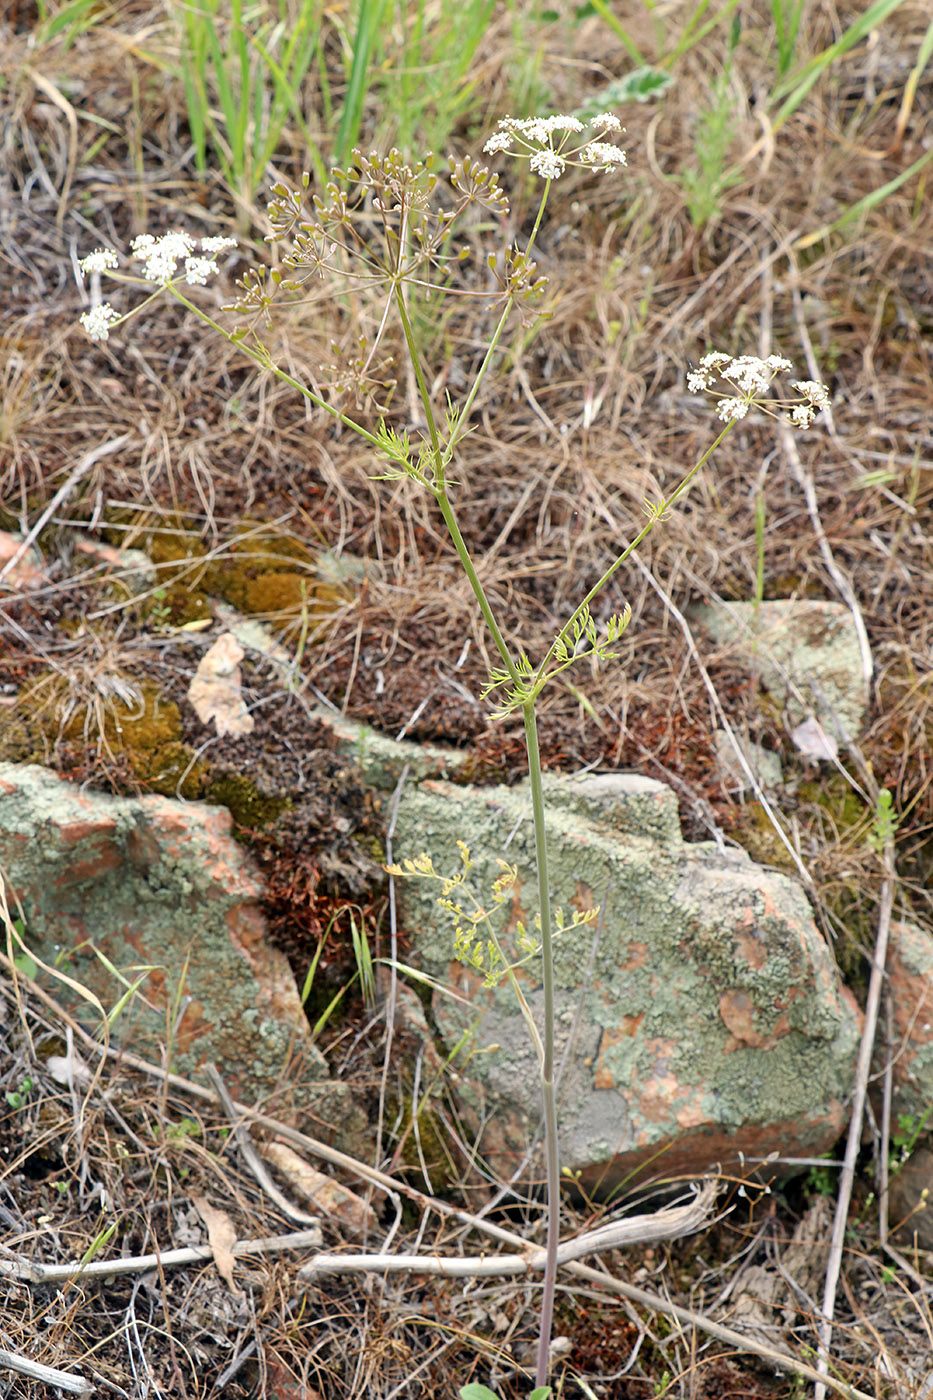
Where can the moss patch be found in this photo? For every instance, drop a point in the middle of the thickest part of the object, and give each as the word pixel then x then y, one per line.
pixel 755 833
pixel 127 722
pixel 251 808
pixel 271 575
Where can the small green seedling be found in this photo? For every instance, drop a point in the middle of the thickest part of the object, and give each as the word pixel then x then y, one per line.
pixel 16 1098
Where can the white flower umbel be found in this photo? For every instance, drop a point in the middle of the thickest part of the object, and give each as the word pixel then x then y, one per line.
pixel 198 270
pixel 98 261
pixel 753 377
pixel 160 258
pixel 547 143
pixel 98 321
pixel 216 245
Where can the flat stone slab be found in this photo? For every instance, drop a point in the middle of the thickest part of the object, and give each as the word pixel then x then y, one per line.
pixel 807 653
pixel 701 1018
pixel 156 885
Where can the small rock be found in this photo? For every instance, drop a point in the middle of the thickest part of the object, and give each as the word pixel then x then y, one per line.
pixel 806 652
pixel 764 765
pixel 27 572
pixel 910 988
pixel 134 568
pixel 702 1019
pixel 161 890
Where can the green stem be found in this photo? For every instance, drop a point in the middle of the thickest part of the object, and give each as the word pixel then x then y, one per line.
pixel 494 341
pixel 540 215
pixel 463 554
pixel 439 489
pixel 551 1145
pixel 265 361
pixel 480 376
pixel 415 359
pixel 617 563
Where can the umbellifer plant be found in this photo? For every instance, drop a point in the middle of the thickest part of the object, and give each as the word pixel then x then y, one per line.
pixel 386 227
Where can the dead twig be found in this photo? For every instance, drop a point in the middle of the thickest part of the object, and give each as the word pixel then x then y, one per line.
pixel 49 1375
pixel 853 1142
pixel 669 1224
pixel 252 1158
pixel 28 1271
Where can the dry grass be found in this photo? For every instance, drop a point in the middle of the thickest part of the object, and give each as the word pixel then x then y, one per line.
pixel 589 418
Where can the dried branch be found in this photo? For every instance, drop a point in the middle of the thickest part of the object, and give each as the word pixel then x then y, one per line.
pixel 28 1271
pixel 253 1159
pixel 50 1375
pixel 669 1224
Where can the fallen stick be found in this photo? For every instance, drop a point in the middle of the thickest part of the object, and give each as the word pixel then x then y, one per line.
pixel 63 1380
pixel 28 1271
pixel 669 1224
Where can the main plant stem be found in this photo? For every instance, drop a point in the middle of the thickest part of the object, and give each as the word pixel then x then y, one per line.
pixel 551 1148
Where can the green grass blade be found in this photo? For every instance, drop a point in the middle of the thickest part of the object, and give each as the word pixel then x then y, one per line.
pixel 78 16
pixel 692 35
pixel 369 16
pixel 628 43
pixel 286 101
pixel 228 106
pixel 364 962
pixel 795 89
pixel 331 1007
pixel 787 17
pixel 862 206
pixel 197 102
pixel 240 49
pixel 312 970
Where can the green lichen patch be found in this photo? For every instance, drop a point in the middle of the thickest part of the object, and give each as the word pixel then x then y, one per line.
pixel 832 818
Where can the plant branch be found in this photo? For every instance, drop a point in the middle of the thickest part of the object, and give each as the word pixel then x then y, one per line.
pixel 261 357
pixel 658 514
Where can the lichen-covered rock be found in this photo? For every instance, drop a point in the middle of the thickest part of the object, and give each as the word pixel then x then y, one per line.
pixel 806 651
pixel 159 886
pixel 700 1018
pixel 910 990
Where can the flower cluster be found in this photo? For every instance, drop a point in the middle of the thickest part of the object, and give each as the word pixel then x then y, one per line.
pixel 752 377
pixel 160 258
pixel 162 255
pixel 98 320
pixel 545 143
